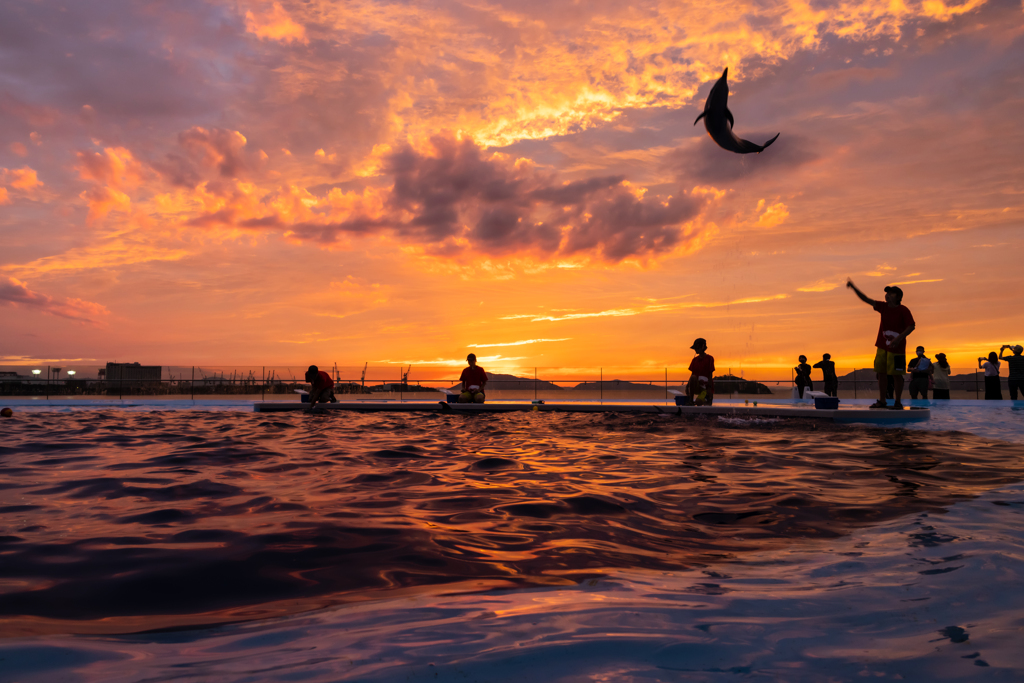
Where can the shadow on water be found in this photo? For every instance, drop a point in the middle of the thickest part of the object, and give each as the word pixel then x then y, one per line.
pixel 114 522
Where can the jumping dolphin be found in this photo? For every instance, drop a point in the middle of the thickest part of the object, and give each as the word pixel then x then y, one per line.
pixel 718 120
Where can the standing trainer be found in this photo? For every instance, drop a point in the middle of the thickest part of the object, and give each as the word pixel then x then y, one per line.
pixel 891 345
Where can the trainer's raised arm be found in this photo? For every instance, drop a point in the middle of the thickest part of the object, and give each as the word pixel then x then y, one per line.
pixel 862 295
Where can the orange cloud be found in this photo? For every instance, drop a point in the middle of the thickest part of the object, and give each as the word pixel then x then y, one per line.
pixel 650 308
pixel 116 252
pixel 274 23
pixel 25 179
pixel 819 286
pixel 451 198
pixel 16 293
pixel 773 215
pixel 110 172
pixel 517 343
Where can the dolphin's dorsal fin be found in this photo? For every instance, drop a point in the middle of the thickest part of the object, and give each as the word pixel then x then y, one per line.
pixel 728 115
pixel 699 118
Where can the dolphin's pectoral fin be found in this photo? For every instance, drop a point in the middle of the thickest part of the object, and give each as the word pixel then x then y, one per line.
pixel 699 118
pixel 728 115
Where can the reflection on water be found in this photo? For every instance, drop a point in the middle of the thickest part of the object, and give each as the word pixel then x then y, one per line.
pixel 117 522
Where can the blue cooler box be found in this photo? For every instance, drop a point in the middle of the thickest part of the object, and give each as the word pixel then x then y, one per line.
pixel 826 403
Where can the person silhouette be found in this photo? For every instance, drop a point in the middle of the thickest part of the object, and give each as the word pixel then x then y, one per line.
pixel 828 374
pixel 1015 363
pixel 473 381
pixel 993 391
pixel 701 385
pixel 891 343
pixel 803 377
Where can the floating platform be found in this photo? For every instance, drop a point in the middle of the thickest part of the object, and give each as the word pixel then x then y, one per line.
pixel 851 413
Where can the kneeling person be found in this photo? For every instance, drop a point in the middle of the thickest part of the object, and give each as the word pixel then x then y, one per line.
pixel 473 381
pixel 322 389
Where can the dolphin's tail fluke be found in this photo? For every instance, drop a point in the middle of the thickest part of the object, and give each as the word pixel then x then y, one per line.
pixel 699 118
pixel 765 145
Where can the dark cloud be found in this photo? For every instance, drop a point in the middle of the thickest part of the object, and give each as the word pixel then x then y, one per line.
pixel 217 148
pixel 513 207
pixel 621 225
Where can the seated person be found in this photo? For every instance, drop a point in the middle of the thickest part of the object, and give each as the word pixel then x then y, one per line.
pixel 701 385
pixel 803 377
pixel 322 390
pixel 473 381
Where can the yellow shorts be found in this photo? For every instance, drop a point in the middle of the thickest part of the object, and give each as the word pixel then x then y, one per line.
pixel 890 363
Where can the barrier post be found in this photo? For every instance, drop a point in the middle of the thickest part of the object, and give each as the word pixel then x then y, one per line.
pixel 192 384
pixel 534 383
pixel 855 382
pixel 977 389
pixel 47 382
pixel 600 384
pixel 666 384
pixel 263 385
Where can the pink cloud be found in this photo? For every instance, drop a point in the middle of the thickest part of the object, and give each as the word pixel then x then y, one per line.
pixel 16 293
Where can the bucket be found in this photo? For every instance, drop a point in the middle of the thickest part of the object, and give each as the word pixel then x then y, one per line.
pixel 830 403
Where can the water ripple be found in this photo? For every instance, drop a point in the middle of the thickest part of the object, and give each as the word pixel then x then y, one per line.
pixel 119 522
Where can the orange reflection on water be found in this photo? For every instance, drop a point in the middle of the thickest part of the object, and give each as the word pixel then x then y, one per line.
pixel 125 522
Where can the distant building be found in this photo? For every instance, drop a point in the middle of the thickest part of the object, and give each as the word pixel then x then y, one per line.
pixel 132 372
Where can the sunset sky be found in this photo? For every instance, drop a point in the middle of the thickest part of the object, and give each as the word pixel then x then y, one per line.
pixel 295 182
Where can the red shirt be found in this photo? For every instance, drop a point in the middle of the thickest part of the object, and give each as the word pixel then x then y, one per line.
pixel 703 365
pixel 322 381
pixel 894 321
pixel 473 375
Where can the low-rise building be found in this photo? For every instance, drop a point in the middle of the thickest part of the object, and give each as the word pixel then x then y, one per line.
pixel 132 372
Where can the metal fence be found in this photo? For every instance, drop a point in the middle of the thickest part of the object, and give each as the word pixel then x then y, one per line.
pixel 510 382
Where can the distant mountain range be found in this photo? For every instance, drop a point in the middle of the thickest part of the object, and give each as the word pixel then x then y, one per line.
pixel 724 384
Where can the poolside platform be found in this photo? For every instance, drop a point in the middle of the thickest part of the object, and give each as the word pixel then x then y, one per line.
pixel 848 413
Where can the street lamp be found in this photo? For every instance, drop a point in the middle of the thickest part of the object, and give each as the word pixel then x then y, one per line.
pixel 36 372
pixel 71 372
